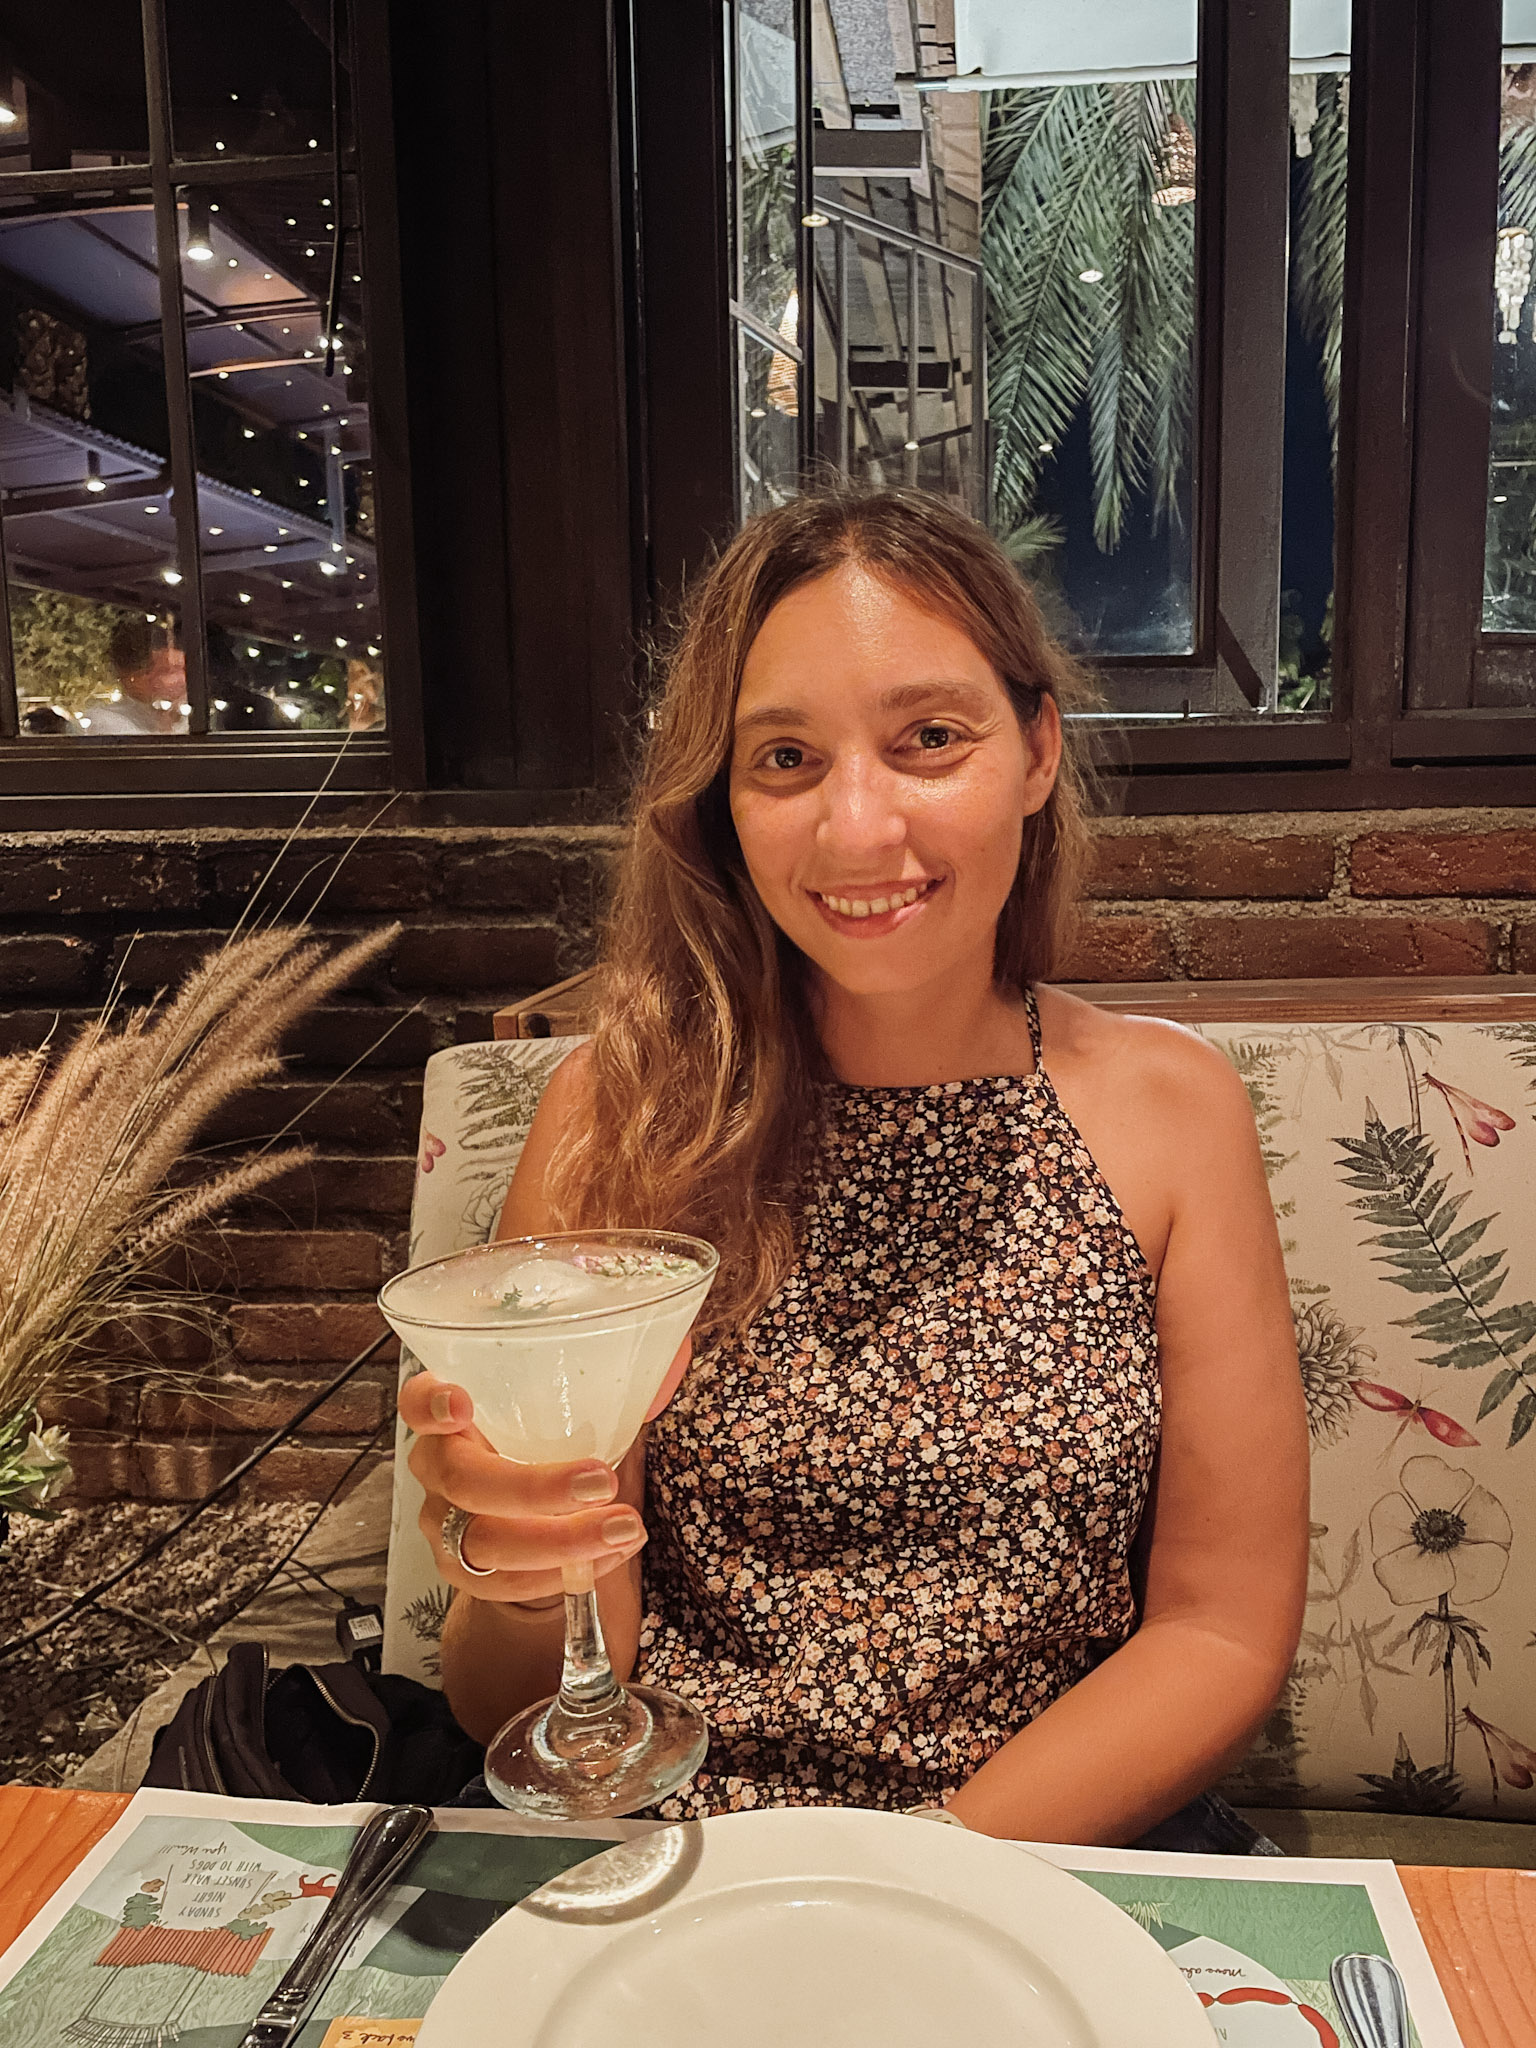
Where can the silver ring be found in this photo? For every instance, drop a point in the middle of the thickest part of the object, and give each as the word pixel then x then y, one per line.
pixel 455 1523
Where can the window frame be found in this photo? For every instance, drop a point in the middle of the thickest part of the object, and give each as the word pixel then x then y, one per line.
pixel 199 762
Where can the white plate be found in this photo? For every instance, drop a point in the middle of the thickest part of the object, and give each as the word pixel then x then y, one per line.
pixel 811 1926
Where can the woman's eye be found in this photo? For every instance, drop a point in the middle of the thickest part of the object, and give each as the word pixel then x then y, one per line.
pixel 934 736
pixel 786 757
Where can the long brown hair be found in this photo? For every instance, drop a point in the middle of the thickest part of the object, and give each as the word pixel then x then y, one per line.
pixel 705 1061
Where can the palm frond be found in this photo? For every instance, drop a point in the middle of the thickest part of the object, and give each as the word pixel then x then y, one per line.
pixel 1317 254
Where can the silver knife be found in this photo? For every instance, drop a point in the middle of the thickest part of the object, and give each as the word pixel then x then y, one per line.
pixel 382 1850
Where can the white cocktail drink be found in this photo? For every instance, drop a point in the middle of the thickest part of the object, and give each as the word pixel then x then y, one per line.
pixel 563 1343
pixel 561 1354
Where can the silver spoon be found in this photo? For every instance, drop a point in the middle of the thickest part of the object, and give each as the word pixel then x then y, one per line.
pixel 382 1850
pixel 1371 1997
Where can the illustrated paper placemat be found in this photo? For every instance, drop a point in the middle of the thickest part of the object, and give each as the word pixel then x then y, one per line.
pixel 181 1921
pixel 1257 1936
pixel 179 1924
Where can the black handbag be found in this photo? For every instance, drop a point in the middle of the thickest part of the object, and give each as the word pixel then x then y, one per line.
pixel 327 1734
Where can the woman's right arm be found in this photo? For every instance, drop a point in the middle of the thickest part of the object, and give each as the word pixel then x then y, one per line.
pixel 500 1653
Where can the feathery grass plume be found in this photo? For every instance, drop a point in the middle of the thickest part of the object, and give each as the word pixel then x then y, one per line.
pixel 89 1143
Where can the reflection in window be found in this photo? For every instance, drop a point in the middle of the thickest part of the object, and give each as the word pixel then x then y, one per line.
pixel 276 520
pixel 285 487
pixel 1089 247
pixel 765 216
pixel 1509 570
pixel 1319 152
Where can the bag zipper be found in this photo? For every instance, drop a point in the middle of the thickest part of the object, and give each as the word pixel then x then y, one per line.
pixel 373 1734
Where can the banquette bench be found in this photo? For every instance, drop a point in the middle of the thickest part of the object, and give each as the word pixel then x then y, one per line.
pixel 1398 1124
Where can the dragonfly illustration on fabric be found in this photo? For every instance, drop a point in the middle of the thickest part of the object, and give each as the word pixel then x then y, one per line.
pixel 1483 1123
pixel 1445 1429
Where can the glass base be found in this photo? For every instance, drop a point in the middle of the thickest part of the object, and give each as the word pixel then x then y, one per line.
pixel 558 1764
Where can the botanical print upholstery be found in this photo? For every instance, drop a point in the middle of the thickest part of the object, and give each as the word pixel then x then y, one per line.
pixel 477 1104
pixel 1402 1163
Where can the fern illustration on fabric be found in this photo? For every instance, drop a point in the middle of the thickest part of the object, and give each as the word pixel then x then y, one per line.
pixel 1427 1254
pixel 498 1097
pixel 1521 1040
pixel 424 1617
pixel 1259 1061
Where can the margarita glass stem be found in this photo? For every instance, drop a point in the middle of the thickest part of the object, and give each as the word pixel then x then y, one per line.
pixel 588 1688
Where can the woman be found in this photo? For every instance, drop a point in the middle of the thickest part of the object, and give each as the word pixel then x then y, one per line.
pixel 986 1485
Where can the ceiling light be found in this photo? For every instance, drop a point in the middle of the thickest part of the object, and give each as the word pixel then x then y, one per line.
pixel 313 143
pixel 223 376
pixel 270 548
pixel 339 641
pixel 93 480
pixel 255 493
pixel 1091 276
pixel 329 569
pixel 287 583
pixel 309 252
pixel 372 649
pixel 282 530
pixel 249 433
pixel 185 710
pixel 234 262
pixel 170 575
pixel 215 529
pixel 291 710
pixel 8 114
pixel 199 238
pixel 221 703
pixel 218 145
pixel 254 653
pixel 151 508
pixel 244 596
pixel 814 220
pixel 302 435
pixel 293 682
pixel 325 202
pixel 1047 447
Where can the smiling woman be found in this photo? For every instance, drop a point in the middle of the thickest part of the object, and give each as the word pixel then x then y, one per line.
pixel 985 1485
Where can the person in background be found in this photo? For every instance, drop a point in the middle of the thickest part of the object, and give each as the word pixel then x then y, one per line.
pixel 151 677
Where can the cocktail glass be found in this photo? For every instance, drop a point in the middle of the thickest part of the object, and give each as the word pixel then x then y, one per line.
pixel 562 1343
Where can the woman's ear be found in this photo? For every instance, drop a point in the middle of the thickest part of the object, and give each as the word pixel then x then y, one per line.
pixel 1042 751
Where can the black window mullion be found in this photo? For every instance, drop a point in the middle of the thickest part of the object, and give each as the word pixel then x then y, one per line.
pixel 178 389
pixel 1376 408
pixel 1254 166
pixel 10 719
pixel 805 237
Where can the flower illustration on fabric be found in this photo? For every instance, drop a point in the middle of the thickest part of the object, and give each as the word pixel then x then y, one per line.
pixel 1440 1534
pixel 1330 1361
pixel 1445 1429
pixel 432 1149
pixel 1508 1758
pixel 1479 1121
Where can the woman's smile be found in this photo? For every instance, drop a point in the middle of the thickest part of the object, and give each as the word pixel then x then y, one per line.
pixel 869 913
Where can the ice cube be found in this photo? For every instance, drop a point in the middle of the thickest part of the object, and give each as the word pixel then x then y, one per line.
pixel 543 1287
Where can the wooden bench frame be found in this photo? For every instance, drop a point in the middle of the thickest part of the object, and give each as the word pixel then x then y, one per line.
pixel 564 1011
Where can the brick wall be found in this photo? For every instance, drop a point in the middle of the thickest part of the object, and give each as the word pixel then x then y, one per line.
pixel 487 917
pixel 491 916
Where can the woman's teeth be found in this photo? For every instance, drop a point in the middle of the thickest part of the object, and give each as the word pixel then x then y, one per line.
pixel 875 906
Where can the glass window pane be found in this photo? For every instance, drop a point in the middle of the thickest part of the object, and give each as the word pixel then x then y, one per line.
pixel 768 218
pixel 73 88
pixel 1088 249
pixel 91 530
pixel 285 486
pixel 1509 571
pixel 250 77
pixel 1319 150
pixel 767 433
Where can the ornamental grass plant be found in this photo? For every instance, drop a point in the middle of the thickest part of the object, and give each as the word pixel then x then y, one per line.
pixel 99 1188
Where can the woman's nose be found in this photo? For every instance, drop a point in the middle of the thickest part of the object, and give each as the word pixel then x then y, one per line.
pixel 860 808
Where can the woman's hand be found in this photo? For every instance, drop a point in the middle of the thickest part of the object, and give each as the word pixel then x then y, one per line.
pixel 529 1520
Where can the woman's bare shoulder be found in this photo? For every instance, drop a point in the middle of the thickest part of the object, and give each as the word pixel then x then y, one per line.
pixel 1158 1062
pixel 565 1102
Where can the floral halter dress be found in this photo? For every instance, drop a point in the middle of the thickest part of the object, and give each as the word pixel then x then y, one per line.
pixel 892 1524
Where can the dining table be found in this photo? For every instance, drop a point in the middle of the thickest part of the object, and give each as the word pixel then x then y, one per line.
pixel 1479 1925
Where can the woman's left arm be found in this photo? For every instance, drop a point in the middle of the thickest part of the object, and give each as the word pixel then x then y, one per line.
pixel 1179 1703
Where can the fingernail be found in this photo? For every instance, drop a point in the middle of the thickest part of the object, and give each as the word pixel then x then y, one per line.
pixel 442 1406
pixel 597 1484
pixel 620 1529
